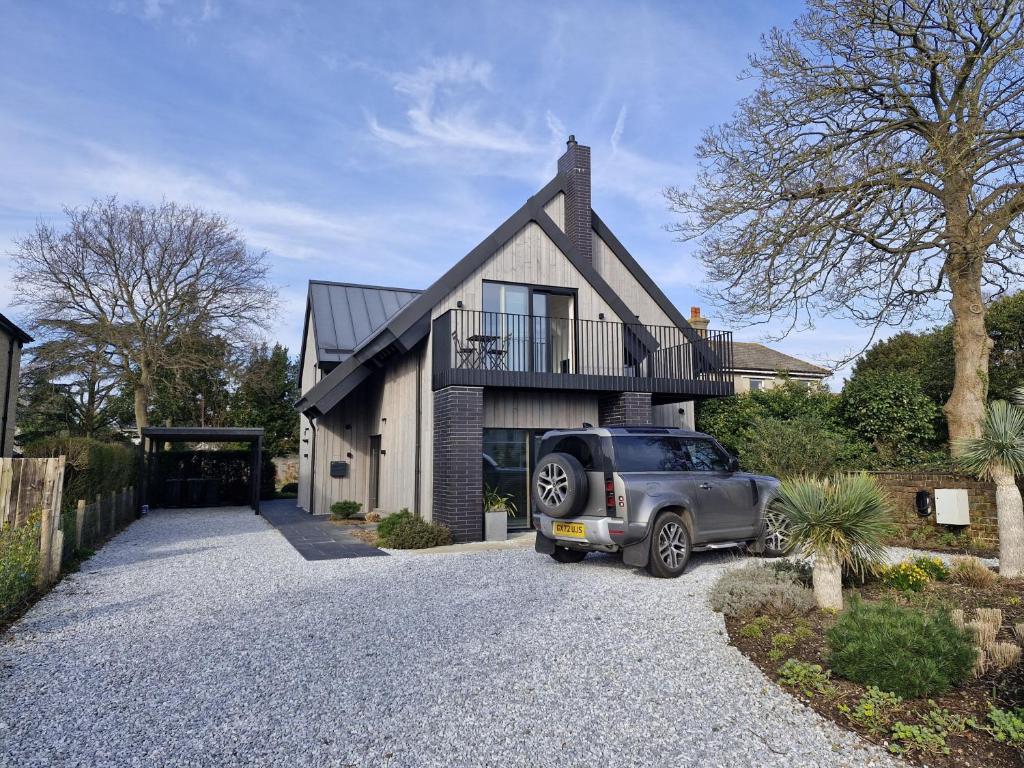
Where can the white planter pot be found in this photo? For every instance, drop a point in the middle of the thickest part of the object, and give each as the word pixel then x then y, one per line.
pixel 495 526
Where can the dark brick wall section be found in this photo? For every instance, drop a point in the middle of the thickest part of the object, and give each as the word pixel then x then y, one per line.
pixel 458 471
pixel 624 409
pixel 574 165
pixel 981 498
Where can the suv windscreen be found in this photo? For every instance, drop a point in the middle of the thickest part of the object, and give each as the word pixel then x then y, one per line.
pixel 668 454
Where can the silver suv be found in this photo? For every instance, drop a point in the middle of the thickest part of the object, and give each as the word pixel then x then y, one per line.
pixel 654 494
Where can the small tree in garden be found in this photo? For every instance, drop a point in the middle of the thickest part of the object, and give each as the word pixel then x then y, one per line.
pixel 841 521
pixel 890 411
pixel 998 454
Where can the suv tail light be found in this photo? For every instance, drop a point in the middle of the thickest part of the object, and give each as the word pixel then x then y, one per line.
pixel 609 496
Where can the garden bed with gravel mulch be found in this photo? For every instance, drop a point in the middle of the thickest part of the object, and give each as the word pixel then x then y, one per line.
pixel 941 731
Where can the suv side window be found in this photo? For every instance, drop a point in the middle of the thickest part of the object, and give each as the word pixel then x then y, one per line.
pixel 705 456
pixel 650 454
pixel 583 447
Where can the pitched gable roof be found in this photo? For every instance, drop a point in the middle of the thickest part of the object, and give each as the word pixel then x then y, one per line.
pixel 412 323
pixel 748 356
pixel 13 330
pixel 346 314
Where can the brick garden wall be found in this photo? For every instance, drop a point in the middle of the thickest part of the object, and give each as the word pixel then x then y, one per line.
pixel 981 496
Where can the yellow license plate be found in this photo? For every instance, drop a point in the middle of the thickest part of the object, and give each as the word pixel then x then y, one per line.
pixel 570 530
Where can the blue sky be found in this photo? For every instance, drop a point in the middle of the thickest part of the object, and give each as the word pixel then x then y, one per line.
pixel 371 141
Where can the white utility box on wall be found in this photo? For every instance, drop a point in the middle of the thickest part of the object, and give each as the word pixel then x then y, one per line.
pixel 951 507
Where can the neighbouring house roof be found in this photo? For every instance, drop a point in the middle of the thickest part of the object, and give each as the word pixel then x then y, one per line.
pixel 411 324
pixel 13 330
pixel 748 356
pixel 346 314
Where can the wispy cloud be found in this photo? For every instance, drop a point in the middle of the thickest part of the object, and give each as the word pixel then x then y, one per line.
pixel 444 109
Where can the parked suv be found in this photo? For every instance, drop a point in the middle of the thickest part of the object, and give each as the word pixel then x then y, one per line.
pixel 654 494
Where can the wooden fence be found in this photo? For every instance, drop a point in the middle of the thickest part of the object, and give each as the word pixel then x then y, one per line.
pixel 30 486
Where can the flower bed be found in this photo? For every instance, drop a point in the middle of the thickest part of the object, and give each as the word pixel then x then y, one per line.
pixel 913 627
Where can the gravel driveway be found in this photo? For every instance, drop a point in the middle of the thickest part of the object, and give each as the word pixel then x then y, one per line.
pixel 203 638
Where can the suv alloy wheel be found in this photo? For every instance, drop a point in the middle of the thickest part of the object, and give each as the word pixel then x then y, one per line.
pixel 670 546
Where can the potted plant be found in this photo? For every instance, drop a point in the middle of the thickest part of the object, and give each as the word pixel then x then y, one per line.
pixel 497 510
pixel 840 521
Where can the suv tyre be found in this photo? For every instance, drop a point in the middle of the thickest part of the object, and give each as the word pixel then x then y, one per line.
pixel 775 540
pixel 670 546
pixel 560 485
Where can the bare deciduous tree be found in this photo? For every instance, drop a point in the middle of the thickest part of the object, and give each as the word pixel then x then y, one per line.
pixel 139 282
pixel 874 171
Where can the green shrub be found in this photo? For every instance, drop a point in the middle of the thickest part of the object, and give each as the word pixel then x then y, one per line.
pixel 755 589
pixel 19 564
pixel 873 710
pixel 415 533
pixel 782 643
pixel 905 576
pixel 345 510
pixel 290 488
pixel 917 737
pixel 799 571
pixel 800 446
pixel 808 679
pixel 92 466
pixel 933 566
pixel 1007 726
pixel 891 412
pixel 755 628
pixel 389 523
pixel 902 650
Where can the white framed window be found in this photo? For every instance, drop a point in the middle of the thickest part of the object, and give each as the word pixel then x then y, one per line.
pixel 756 384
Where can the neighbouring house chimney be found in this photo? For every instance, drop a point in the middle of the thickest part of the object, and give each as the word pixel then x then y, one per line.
pixel 574 165
pixel 698 322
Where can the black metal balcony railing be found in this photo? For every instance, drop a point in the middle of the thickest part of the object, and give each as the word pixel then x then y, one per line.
pixel 497 349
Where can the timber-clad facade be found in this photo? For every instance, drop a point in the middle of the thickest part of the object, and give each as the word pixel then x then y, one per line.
pixel 421 399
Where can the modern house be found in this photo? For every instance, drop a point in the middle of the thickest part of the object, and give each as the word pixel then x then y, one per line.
pixel 12 339
pixel 419 398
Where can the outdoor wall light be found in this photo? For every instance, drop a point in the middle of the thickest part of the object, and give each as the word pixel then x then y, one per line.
pixel 348 426
pixel 458 304
pixel 349 455
pixel 600 315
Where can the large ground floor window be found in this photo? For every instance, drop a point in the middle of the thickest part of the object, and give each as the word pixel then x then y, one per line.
pixel 509 456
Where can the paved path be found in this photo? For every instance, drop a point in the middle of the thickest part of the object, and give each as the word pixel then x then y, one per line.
pixel 205 639
pixel 315 537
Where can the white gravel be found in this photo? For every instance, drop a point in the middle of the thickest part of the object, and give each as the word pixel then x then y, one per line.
pixel 204 639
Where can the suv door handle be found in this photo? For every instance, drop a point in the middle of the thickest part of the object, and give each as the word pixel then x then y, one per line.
pixel 705 486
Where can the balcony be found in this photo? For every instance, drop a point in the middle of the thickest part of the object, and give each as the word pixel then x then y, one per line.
pixel 493 349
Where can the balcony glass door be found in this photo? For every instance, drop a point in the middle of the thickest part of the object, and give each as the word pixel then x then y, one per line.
pixel 506 326
pixel 553 340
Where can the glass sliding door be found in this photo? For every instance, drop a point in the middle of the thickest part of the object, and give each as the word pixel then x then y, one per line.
pixel 506 460
pixel 553 341
pixel 506 327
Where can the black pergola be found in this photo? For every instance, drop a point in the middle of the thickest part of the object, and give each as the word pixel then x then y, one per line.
pixel 153 436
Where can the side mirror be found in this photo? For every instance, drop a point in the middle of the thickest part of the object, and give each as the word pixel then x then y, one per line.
pixel 734 464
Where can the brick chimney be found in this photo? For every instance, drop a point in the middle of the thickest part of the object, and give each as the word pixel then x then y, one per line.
pixel 574 165
pixel 698 322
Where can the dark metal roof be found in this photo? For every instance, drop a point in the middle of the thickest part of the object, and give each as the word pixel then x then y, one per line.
pixel 345 314
pixel 13 330
pixel 203 434
pixel 748 356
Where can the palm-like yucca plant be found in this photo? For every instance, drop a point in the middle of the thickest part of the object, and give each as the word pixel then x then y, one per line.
pixel 843 520
pixel 998 454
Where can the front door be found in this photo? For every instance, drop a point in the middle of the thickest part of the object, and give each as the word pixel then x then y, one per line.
pixel 374 491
